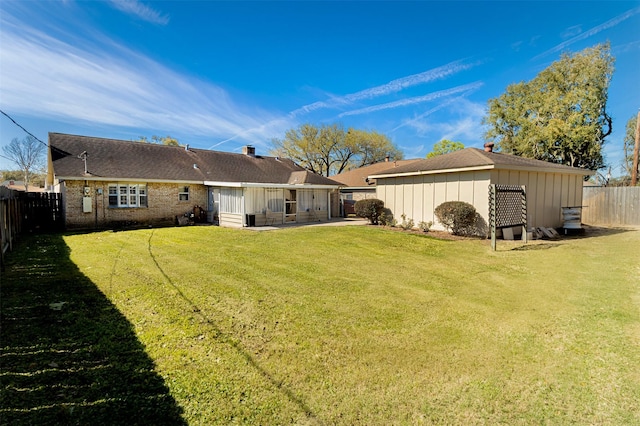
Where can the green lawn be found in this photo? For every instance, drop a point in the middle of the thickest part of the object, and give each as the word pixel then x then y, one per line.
pixel 321 325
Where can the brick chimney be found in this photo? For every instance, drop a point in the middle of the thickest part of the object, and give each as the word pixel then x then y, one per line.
pixel 249 150
pixel 488 147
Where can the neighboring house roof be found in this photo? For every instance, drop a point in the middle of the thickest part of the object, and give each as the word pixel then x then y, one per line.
pixel 477 159
pixel 126 160
pixel 359 177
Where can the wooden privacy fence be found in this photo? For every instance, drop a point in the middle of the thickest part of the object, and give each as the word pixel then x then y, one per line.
pixel 27 211
pixel 615 205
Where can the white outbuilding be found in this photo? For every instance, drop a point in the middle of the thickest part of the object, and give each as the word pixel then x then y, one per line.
pixel 416 189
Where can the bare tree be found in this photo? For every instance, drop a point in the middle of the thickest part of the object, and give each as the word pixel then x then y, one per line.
pixel 28 154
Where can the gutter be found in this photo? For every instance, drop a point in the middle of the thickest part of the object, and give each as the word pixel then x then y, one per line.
pixel 125 179
pixel 567 171
pixel 269 185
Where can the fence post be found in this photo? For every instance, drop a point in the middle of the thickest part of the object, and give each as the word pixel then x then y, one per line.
pixel 523 198
pixel 492 215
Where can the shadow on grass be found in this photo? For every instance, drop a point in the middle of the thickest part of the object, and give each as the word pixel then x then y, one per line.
pixel 541 246
pixel 222 336
pixel 67 355
pixel 585 232
pixel 589 231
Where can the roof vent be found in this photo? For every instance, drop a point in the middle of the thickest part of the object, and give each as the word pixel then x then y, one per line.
pixel 249 150
pixel 195 166
pixel 488 147
pixel 186 147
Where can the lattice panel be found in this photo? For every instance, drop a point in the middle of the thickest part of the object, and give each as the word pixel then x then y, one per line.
pixel 508 206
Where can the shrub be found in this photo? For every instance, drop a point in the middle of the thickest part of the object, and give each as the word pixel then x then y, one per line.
pixel 406 224
pixel 457 216
pixel 370 208
pixel 386 218
pixel 425 226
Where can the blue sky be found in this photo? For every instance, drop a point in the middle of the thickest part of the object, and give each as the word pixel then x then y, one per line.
pixel 221 75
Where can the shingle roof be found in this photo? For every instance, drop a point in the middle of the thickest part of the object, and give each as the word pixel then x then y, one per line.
pixel 117 159
pixel 358 177
pixel 473 158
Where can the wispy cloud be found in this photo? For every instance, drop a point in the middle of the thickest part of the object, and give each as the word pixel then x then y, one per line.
pixel 463 123
pixel 412 151
pixel 412 80
pixel 591 32
pixel 572 31
pixel 140 10
pixel 50 78
pixel 427 113
pixel 258 134
pixel 415 100
pixel 467 125
pixel 391 87
pixel 516 45
pixel 626 47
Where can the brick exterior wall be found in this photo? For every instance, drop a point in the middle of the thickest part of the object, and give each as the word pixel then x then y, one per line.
pixel 163 205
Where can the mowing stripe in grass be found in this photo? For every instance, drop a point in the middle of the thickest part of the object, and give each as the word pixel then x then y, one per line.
pixel 367 326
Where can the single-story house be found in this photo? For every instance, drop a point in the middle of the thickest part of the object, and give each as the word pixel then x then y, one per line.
pixel 108 182
pixel 356 183
pixel 416 189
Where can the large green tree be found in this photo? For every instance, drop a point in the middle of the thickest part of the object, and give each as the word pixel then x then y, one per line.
pixel 330 149
pixel 560 116
pixel 445 146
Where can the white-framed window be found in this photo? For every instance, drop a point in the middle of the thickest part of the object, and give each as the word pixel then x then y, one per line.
pixel 127 195
pixel 231 200
pixel 183 193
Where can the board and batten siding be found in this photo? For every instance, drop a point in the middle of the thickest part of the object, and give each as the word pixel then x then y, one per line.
pixel 418 196
pixel 547 193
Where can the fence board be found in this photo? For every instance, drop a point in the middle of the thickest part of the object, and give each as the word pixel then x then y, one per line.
pixel 20 211
pixel 611 205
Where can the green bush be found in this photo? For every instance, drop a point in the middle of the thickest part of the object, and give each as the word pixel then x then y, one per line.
pixel 457 216
pixel 370 208
pixel 386 218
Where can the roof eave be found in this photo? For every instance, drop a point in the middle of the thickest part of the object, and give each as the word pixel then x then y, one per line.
pixel 358 188
pixel 568 170
pixel 125 179
pixel 268 185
